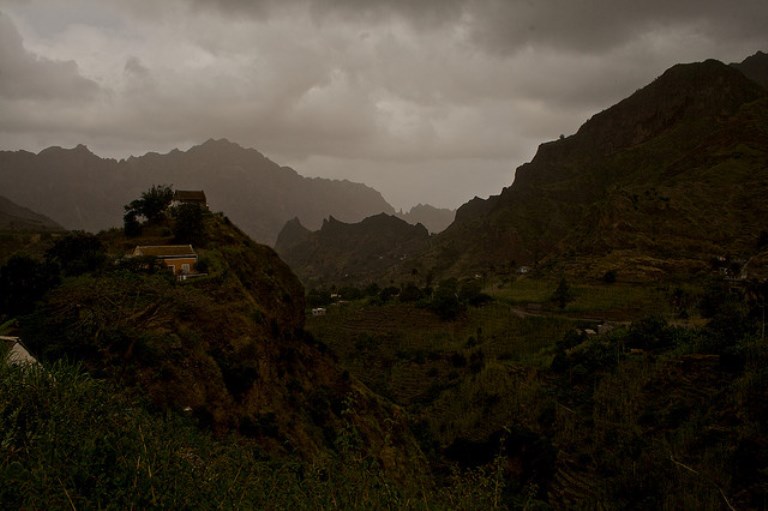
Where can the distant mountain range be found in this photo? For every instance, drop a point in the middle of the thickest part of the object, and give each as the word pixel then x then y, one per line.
pixel 353 253
pixel 661 183
pixel 434 219
pixel 18 218
pixel 83 191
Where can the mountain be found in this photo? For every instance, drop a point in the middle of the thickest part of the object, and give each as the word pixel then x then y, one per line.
pixel 662 182
pixel 342 252
pixel 84 191
pixel 434 219
pixel 755 67
pixel 17 218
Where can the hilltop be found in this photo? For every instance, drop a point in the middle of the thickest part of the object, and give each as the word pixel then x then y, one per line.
pixel 79 189
pixel 227 346
pixel 755 67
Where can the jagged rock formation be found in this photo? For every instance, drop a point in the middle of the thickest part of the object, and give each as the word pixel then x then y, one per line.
pixel 341 252
pixel 434 219
pixel 83 191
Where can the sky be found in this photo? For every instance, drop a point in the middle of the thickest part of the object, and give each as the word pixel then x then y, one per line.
pixel 428 101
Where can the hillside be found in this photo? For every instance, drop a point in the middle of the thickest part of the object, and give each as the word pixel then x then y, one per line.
pixel 661 183
pixel 755 67
pixel 17 218
pixel 354 253
pixel 80 190
pixel 228 347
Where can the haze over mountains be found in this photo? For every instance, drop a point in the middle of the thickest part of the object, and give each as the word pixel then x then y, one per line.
pixel 356 252
pixel 83 191
pixel 18 218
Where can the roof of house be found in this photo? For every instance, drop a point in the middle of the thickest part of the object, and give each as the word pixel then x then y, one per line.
pixel 17 353
pixel 165 250
pixel 189 195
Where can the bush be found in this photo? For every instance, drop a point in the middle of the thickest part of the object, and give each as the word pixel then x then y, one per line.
pixel 563 294
pixel 23 281
pixel 411 293
pixel 77 253
pixel 188 226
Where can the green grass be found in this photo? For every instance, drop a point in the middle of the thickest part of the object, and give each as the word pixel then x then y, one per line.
pixel 526 290
pixel 619 301
pixel 471 376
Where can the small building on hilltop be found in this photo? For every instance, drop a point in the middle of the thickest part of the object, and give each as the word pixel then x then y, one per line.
pixel 190 197
pixel 180 259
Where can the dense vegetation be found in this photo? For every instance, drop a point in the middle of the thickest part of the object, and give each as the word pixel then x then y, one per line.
pixel 659 413
pixel 71 442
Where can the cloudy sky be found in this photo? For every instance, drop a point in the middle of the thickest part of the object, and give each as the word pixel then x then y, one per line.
pixel 425 100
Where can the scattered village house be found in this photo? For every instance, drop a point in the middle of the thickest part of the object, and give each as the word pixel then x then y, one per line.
pixel 17 352
pixel 180 259
pixel 189 197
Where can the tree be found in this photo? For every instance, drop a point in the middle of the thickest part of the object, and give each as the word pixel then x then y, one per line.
pixel 445 301
pixel 77 253
pixel 563 294
pixel 152 204
pixel 189 226
pixel 131 224
pixel 24 281
pixel 411 293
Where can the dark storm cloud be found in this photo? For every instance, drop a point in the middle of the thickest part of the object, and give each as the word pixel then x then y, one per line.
pixel 509 25
pixel 25 76
pixel 424 13
pixel 400 94
pixel 596 25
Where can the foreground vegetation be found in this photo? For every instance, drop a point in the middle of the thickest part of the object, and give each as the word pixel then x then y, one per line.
pixel 72 442
pixel 664 412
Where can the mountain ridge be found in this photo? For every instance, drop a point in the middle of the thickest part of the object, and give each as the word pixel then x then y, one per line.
pixel 624 153
pixel 80 189
pixel 349 252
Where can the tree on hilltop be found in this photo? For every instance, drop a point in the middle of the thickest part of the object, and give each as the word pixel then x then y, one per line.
pixel 152 204
pixel 188 224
